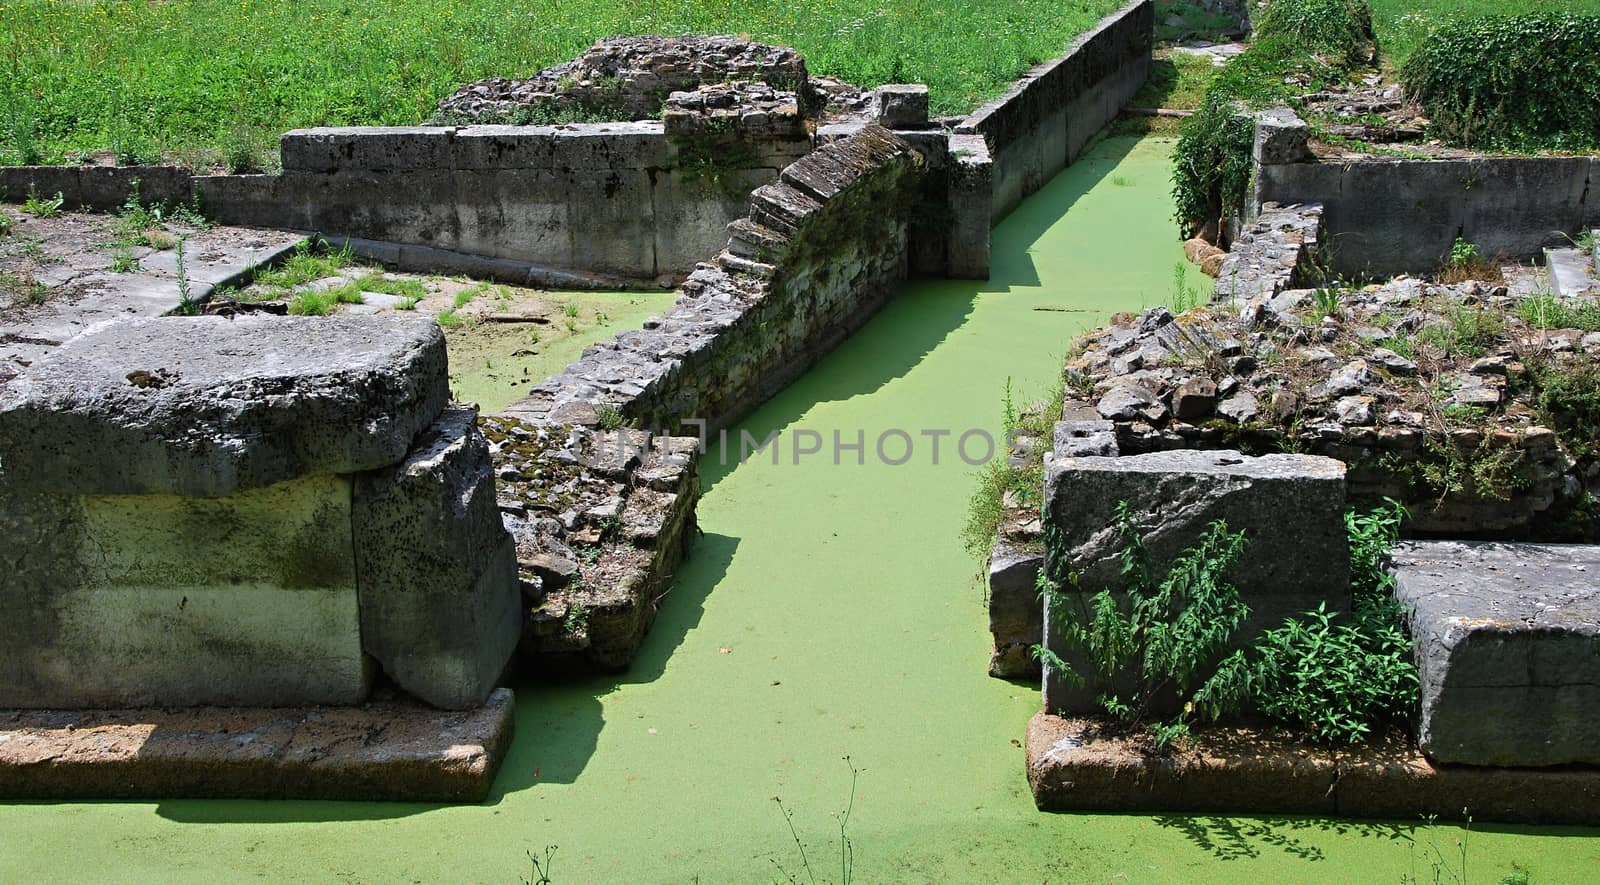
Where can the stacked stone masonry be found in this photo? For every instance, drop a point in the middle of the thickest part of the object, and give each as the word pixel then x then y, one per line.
pixel 250 512
pixel 627 78
pixel 818 253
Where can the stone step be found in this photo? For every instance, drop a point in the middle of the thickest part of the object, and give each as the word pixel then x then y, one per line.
pixel 1572 272
pixel 1508 650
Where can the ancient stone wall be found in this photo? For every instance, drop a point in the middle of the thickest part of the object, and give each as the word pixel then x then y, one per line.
pixel 819 252
pixel 1044 121
pixel 1384 216
pixel 256 511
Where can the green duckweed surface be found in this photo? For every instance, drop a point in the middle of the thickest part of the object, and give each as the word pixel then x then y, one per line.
pixel 828 611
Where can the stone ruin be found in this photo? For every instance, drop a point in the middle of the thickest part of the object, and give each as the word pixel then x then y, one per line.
pixel 260 511
pixel 629 78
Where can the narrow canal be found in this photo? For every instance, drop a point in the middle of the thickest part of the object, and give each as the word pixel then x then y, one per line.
pixel 828 612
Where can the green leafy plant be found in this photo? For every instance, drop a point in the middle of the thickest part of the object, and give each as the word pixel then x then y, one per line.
pixel 609 417
pixel 23 287
pixel 5 224
pixel 1165 635
pixel 43 207
pixel 1520 82
pixel 123 260
pixel 1184 295
pixel 187 304
pixel 1568 400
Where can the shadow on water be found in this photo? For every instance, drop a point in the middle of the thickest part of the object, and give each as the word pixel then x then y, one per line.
pixel 558 723
pixel 1245 838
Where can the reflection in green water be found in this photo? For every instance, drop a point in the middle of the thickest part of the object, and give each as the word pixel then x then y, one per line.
pixel 828 611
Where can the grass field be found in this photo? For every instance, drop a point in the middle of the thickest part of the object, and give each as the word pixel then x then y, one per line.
pixel 205 81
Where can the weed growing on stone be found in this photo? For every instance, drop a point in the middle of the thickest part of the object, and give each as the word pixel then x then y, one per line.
pixel 1333 679
pixel 448 319
pixel 1466 331
pixel 43 207
pixel 5 224
pixel 410 289
pixel 1184 295
pixel 314 303
pixel 1002 484
pixel 1167 633
pixel 24 288
pixel 609 417
pixel 123 260
pixel 1467 262
pixel 187 306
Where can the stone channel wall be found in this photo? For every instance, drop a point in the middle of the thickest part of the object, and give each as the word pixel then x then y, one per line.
pixel 1043 122
pixel 819 252
pixel 258 511
pixel 1385 216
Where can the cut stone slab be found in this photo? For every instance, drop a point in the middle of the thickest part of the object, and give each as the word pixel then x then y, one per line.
pixel 133 600
pixel 1572 272
pixel 208 406
pixel 440 605
pixel 389 750
pixel 1077 765
pixel 1290 507
pixel 1508 650
pixel 1016 616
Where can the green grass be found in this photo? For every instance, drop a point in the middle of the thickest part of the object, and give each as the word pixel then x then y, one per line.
pixel 1402 25
pixel 1176 82
pixel 208 80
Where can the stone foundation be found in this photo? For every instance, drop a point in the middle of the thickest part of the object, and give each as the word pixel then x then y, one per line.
pixel 1508 650
pixel 1076 765
pixel 241 511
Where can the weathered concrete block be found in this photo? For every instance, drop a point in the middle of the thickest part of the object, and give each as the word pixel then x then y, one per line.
pixel 130 600
pixel 1508 650
pixel 210 406
pixel 367 148
pixel 901 105
pixel 971 185
pixel 1290 507
pixel 440 609
pixel 1281 137
pixel 1016 614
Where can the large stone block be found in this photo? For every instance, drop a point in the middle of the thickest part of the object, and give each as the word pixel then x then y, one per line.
pixel 367 148
pixel 1016 614
pixel 130 600
pixel 1508 650
pixel 440 607
pixel 210 406
pixel 1290 507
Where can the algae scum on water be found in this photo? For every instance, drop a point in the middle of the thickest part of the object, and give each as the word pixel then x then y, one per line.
pixel 823 614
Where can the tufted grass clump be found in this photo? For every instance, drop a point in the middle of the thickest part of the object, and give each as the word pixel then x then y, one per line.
pixel 1519 82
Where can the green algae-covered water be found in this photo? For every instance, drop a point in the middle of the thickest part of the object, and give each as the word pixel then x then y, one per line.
pixel 828 611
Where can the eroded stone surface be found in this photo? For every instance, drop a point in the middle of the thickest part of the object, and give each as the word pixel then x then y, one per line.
pixel 209 406
pixel 396 750
pixel 1290 507
pixel 440 608
pixel 126 600
pixel 627 77
pixel 1508 650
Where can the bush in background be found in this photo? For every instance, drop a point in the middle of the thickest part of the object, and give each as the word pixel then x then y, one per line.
pixel 1525 81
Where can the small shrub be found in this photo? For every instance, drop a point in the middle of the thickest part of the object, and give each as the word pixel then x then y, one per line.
pixel 1569 401
pixel 1525 81
pixel 609 417
pixel 1168 634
